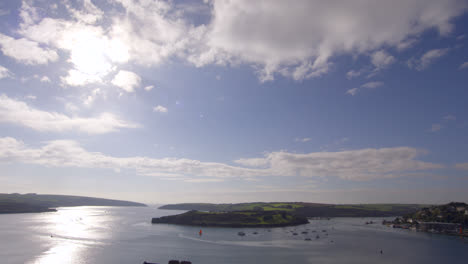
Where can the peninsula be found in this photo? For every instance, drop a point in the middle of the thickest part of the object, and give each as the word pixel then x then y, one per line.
pixel 37 203
pixel 233 219
pixel 306 209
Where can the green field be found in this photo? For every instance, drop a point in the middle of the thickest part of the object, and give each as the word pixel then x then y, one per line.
pixel 233 219
pixel 306 209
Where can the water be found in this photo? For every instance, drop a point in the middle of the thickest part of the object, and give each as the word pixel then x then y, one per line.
pixel 125 235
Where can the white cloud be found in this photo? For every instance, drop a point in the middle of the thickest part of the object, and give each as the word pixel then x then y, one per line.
pixel 353 164
pixel 127 81
pixel 149 87
pixel 406 44
pixel 26 51
pixel 464 65
pixel 352 91
pixel 45 79
pixel 90 13
pixel 426 59
pixel 5 73
pixel 151 31
pixel 89 99
pixel 298 40
pixel 372 85
pixel 364 164
pixel 160 109
pixel 19 113
pixel 435 127
pixel 381 59
pixel 352 74
pixel 31 97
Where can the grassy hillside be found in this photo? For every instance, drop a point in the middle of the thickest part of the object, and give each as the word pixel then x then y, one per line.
pixel 233 219
pixel 306 209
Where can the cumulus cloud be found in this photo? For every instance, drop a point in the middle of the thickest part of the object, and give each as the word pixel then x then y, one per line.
pixel 426 59
pixel 20 113
pixel 5 73
pixel 464 65
pixel 127 81
pixel 160 109
pixel 364 164
pixel 26 51
pixel 381 59
pixel 298 40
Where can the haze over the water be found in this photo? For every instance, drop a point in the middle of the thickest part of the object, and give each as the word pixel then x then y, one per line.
pixel 235 101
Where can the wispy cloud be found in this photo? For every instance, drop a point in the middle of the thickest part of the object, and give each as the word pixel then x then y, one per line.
pixel 306 139
pixel 427 59
pixel 20 113
pixel 372 85
pixel 5 73
pixel 363 164
pixel 450 117
pixel 352 91
pixel 462 166
pixel 435 127
pixel 464 65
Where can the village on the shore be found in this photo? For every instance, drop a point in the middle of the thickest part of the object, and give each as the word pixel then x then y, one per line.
pixel 449 219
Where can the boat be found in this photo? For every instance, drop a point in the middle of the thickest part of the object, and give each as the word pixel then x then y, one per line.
pixel 241 234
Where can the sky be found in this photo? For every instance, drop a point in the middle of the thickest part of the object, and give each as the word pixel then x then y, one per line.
pixel 235 101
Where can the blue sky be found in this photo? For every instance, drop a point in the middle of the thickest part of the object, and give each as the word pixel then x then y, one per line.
pixel 235 101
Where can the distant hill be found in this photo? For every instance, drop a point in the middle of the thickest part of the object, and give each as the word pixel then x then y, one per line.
pixel 30 203
pixel 306 209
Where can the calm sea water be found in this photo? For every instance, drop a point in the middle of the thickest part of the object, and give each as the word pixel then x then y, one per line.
pixel 125 235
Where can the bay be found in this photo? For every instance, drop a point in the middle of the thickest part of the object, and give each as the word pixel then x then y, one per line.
pixel 126 235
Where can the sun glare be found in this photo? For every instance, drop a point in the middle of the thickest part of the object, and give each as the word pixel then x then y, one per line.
pixel 94 56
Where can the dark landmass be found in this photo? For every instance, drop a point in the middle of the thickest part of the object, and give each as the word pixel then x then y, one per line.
pixel 306 209
pixel 451 218
pixel 233 219
pixel 35 203
pixel 14 207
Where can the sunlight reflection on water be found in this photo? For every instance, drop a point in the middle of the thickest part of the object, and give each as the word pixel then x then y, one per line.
pixel 69 231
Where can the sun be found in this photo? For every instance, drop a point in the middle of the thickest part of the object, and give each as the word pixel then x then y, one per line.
pixel 94 55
